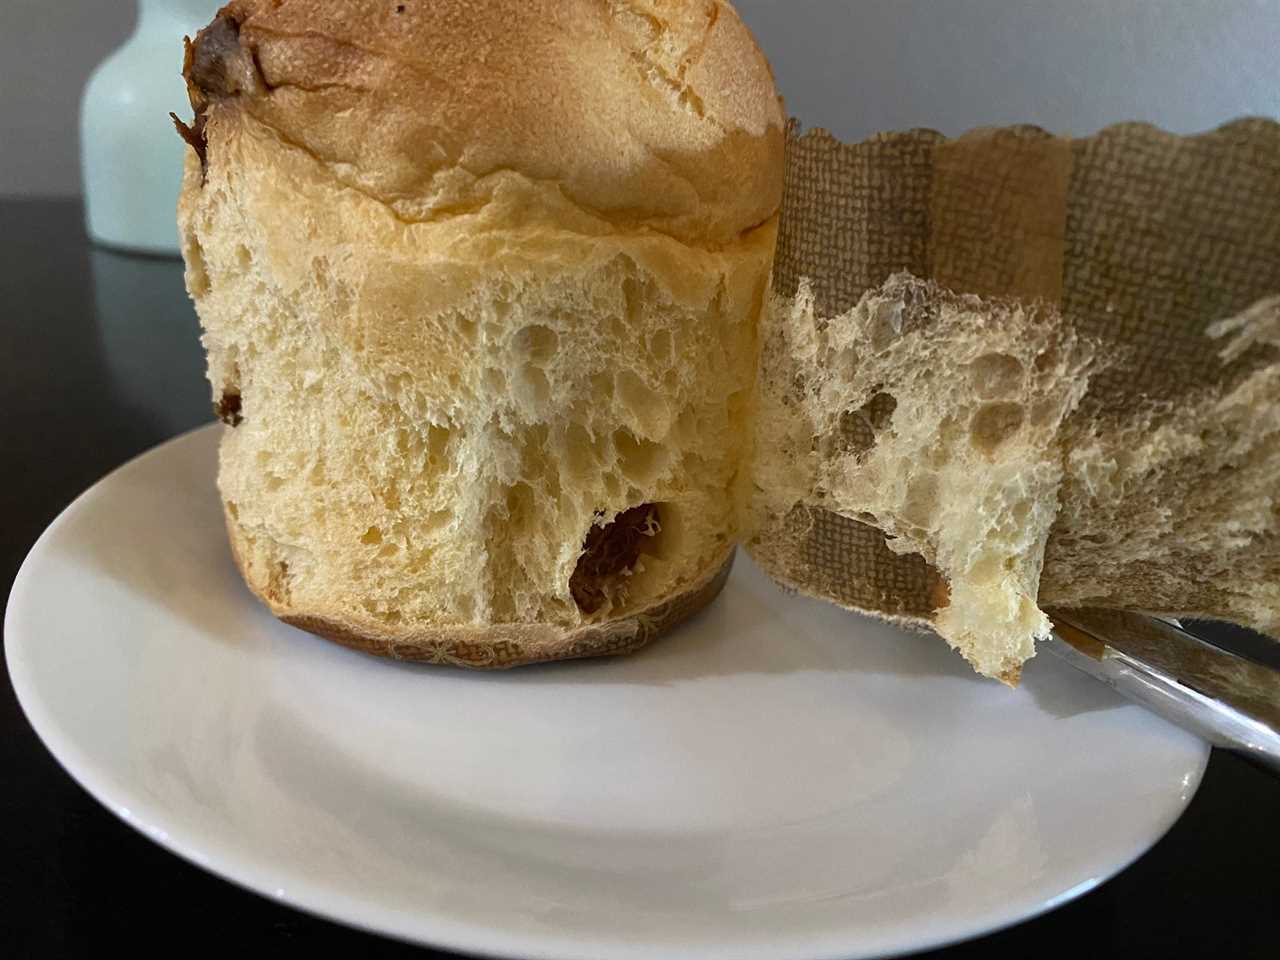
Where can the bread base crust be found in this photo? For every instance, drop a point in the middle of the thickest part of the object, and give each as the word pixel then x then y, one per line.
pixel 503 645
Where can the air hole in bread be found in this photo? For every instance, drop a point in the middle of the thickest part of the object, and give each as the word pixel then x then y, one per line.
pixel 640 461
pixel 391 497
pixel 993 424
pixel 647 407
pixel 579 453
pixel 404 442
pixel 381 610
pixel 536 344
pixel 1044 412
pixel 372 536
pixel 635 295
pixel 1020 513
pixel 197 272
pixel 922 500
pixel 660 347
pixel 521 510
pixel 531 388
pixel 551 487
pixel 995 375
pixel 1046 361
pixel 436 521
pixel 858 428
pixel 878 411
pixel 685 428
pixel 495 380
pixel 438 439
pixel 610 553
pixel 987 568
pixel 602 388
pixel 938 455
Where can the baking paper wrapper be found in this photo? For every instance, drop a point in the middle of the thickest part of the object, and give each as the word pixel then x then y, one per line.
pixel 1140 238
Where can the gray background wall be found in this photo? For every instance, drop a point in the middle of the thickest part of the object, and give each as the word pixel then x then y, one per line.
pixel 47 48
pixel 855 66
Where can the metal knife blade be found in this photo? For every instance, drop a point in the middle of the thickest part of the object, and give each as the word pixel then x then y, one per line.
pixel 1226 699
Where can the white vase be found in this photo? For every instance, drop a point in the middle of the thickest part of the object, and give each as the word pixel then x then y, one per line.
pixel 130 155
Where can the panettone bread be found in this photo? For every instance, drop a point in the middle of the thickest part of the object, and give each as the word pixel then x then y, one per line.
pixel 479 282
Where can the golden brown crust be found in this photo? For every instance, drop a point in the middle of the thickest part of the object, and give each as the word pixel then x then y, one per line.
pixel 499 646
pixel 643 114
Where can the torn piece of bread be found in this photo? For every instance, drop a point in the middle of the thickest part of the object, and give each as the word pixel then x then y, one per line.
pixel 1154 494
pixel 961 427
pixel 935 418
pixel 1174 507
pixel 479 284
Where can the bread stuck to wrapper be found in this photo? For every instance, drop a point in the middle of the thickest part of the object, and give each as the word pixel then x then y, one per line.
pixel 479 284
pixel 485 291
pixel 1079 407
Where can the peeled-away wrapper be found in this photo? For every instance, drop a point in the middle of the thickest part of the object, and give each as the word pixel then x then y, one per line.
pixel 1099 324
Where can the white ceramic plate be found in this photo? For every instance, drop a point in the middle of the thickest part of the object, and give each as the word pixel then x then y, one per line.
pixel 776 779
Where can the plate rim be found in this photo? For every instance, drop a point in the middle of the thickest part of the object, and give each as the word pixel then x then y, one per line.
pixel 434 929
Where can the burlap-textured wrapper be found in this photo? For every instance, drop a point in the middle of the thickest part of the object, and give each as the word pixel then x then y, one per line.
pixel 1140 238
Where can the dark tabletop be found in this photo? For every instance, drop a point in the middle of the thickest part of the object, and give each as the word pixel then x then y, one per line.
pixel 99 360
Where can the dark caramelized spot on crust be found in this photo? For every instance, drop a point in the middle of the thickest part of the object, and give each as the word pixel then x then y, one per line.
pixel 227 408
pixel 610 551
pixel 205 65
